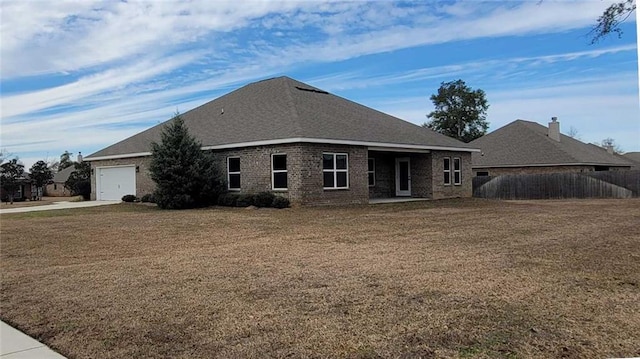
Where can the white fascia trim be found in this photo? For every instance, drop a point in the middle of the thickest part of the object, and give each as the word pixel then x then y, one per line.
pixel 114 166
pixel 374 145
pixel 550 165
pixel 113 157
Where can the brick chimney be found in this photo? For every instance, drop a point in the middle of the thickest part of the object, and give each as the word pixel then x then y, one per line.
pixel 79 157
pixel 609 149
pixel 554 129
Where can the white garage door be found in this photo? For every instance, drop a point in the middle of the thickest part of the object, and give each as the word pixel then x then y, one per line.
pixel 115 182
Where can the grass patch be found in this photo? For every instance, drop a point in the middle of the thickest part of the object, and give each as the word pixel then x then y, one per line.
pixel 459 278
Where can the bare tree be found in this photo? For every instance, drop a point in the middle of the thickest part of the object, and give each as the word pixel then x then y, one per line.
pixel 573 133
pixel 611 19
pixel 611 143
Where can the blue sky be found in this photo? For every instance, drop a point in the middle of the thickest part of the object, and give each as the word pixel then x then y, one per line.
pixel 82 75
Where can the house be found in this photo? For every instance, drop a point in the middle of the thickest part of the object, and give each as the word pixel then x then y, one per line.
pixel 634 158
pixel 26 190
pixel 528 147
pixel 56 188
pixel 304 143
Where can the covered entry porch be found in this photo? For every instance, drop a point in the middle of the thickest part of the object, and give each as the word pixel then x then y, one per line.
pixel 399 174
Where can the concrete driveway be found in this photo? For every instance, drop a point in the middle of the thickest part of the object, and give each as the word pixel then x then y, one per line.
pixel 58 205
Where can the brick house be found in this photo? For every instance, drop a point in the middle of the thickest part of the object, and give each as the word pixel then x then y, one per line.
pixel 522 147
pixel 24 191
pixel 56 187
pixel 301 142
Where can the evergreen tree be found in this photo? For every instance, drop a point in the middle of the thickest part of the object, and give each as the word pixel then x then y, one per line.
pixel 10 174
pixel 185 176
pixel 41 174
pixel 79 181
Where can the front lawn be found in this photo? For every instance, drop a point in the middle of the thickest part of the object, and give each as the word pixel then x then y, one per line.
pixel 459 278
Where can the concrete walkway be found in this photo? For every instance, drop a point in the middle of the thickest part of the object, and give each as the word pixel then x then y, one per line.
pixel 57 205
pixel 14 344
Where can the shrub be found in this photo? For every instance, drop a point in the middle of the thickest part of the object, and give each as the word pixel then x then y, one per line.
pixel 280 202
pixel 263 199
pixel 148 198
pixel 244 200
pixel 129 198
pixel 227 199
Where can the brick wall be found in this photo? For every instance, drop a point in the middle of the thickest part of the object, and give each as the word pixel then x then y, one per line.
pixel 311 190
pixel 385 186
pixel 421 175
pixel 439 189
pixel 144 184
pixel 305 176
pixel 420 171
pixel 56 190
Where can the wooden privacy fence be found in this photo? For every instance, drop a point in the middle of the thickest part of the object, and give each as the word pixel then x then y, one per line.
pixel 610 184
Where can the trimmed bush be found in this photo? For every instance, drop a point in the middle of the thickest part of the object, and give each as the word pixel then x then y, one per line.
pixel 148 198
pixel 280 202
pixel 263 199
pixel 129 198
pixel 227 199
pixel 244 200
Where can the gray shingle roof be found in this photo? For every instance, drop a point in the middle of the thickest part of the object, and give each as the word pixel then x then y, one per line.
pixel 283 108
pixel 63 175
pixel 525 143
pixel 632 156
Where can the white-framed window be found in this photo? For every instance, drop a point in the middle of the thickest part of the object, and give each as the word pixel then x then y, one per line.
pixel 233 173
pixel 335 170
pixel 447 170
pixel 371 171
pixel 457 171
pixel 279 171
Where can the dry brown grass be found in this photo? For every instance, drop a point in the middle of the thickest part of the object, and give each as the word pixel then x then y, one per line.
pixel 43 202
pixel 463 278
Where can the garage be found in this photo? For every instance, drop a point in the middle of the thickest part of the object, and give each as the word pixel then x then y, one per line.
pixel 115 182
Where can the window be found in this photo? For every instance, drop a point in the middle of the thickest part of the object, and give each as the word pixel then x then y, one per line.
pixel 335 170
pixel 233 173
pixel 447 171
pixel 55 186
pixel 457 173
pixel 372 172
pixel 279 171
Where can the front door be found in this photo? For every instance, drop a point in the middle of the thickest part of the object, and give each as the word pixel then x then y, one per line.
pixel 403 177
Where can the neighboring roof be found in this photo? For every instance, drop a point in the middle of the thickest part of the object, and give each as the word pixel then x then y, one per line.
pixel 526 143
pixel 282 109
pixel 63 175
pixel 632 156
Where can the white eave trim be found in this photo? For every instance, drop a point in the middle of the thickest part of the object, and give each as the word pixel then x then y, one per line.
pixel 552 165
pixel 379 146
pixel 113 157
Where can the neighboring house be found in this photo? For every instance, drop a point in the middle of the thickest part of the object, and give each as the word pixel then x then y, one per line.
pixel 304 143
pixel 634 158
pixel 528 147
pixel 25 190
pixel 56 188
